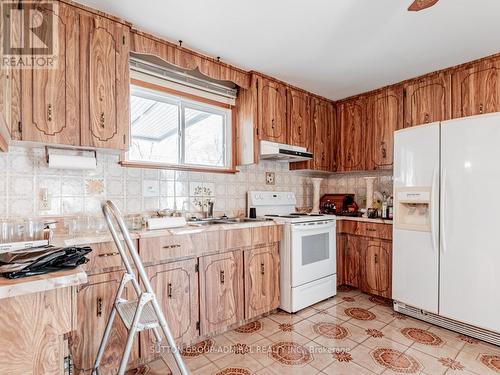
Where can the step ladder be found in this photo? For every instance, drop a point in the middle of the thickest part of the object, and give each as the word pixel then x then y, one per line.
pixel 143 313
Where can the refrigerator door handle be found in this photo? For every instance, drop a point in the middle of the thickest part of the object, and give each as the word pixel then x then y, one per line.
pixel 434 210
pixel 443 212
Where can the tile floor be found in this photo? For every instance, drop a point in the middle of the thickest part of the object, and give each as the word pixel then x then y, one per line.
pixel 352 333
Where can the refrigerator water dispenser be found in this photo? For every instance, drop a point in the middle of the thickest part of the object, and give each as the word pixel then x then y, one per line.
pixel 413 209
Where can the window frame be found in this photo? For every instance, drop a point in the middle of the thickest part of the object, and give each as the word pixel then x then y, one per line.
pixel 185 100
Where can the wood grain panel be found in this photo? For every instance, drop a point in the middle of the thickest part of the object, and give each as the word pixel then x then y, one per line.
pixel 365 229
pixel 176 288
pixel 94 303
pixel 299 118
pixel 352 122
pixel 104 257
pixel 341 245
pixel 385 116
pixel 272 111
pixel 261 280
pixel 238 238
pixel 266 235
pixel 31 332
pixel 427 100
pixel 50 97
pixel 352 261
pixel 221 291
pixel 377 267
pixel 104 73
pixel 476 88
pixel 322 113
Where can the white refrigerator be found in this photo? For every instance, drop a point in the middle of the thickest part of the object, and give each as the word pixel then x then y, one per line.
pixel 446 243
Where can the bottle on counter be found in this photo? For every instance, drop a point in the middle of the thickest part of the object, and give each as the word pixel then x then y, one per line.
pixel 390 208
pixel 384 205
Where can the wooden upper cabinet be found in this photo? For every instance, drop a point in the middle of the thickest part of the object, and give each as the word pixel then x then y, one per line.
pixel 377 267
pixel 384 117
pixel 322 116
pixel 427 100
pixel 351 115
pixel 104 74
pixel 299 118
pixel 476 88
pixel 272 110
pixel 261 281
pixel 50 97
pixel 176 288
pixel 221 291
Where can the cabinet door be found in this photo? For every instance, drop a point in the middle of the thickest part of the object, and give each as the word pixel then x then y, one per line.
pixel 299 118
pixel 94 302
pixel 322 113
pixel 272 110
pixel 385 115
pixel 341 249
pixel 352 261
pixel 476 88
pixel 221 291
pixel 176 288
pixel 377 268
pixel 104 70
pixel 50 97
pixel 427 100
pixel 261 280
pixel 352 122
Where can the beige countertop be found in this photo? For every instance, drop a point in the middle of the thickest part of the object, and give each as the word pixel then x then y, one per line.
pixel 41 283
pixel 146 233
pixel 364 219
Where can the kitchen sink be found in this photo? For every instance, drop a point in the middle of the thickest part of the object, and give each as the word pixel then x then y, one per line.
pixel 229 220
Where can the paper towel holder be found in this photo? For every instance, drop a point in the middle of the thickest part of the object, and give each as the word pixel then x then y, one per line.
pixel 78 153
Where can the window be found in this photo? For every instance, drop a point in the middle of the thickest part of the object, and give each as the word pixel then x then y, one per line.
pixel 169 129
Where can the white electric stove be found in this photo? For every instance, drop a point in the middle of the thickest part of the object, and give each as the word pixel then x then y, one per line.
pixel 307 251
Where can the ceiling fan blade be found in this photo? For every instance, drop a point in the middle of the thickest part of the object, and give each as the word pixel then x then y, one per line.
pixel 418 5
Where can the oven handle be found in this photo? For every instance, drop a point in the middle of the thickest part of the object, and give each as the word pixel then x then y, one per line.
pixel 314 225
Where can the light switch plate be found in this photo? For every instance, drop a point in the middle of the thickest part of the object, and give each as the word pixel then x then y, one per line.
pixel 270 178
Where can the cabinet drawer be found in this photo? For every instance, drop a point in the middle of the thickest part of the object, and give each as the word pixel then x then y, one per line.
pixel 104 256
pixel 157 249
pixel 238 238
pixel 266 235
pixel 365 229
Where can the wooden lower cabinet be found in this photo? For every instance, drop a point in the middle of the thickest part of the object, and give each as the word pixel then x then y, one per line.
pixel 176 287
pixel 221 291
pixel 365 261
pixel 94 302
pixel 376 267
pixel 352 261
pixel 261 280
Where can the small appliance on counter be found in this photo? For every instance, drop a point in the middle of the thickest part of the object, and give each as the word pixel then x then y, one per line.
pixel 339 204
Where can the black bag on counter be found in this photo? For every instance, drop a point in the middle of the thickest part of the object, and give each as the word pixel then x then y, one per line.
pixel 55 260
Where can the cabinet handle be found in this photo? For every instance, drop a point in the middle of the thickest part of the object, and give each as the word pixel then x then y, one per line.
pixel 376 258
pixel 101 120
pixel 272 123
pixel 169 290
pixel 171 246
pixel 427 118
pixel 221 277
pixel 99 307
pixel 384 153
pixel 49 112
pixel 299 130
pixel 481 108
pixel 108 254
pixel 262 270
pixel 371 230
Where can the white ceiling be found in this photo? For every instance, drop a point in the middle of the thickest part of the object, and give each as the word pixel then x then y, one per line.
pixel 335 48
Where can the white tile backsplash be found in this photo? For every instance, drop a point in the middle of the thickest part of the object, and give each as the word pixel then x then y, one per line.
pixel 136 190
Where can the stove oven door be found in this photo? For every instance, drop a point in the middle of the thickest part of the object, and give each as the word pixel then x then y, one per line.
pixel 312 251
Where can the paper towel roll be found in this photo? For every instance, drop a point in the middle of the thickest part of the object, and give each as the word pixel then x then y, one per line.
pixel 72 162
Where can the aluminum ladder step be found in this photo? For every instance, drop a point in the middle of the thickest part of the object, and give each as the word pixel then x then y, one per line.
pixel 127 309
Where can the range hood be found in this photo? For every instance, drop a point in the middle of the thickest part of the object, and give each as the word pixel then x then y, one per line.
pixel 282 152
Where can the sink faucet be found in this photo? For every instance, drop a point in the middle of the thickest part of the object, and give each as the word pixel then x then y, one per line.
pixel 210 209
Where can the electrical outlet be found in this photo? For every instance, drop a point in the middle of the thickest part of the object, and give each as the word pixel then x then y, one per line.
pixel 44 201
pixel 270 178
